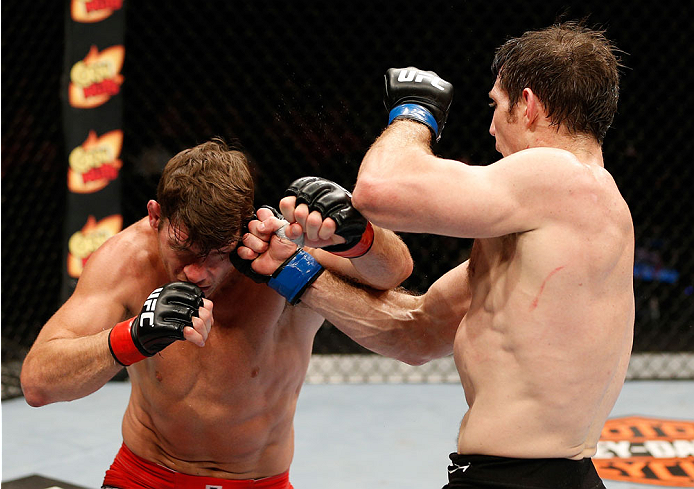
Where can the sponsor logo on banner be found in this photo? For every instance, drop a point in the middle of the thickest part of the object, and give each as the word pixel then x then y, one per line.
pixel 650 451
pixel 95 162
pixel 84 242
pixel 88 11
pixel 97 78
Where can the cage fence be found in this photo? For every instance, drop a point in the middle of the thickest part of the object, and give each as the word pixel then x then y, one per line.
pixel 298 85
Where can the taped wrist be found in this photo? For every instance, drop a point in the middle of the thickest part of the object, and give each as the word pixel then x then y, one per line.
pixel 417 113
pixel 360 248
pixel 295 275
pixel 122 345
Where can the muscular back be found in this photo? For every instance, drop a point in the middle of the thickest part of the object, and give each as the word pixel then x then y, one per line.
pixel 544 347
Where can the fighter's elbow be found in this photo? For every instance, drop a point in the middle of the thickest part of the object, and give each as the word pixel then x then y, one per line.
pixel 402 272
pixel 414 360
pixel 365 197
pixel 407 266
pixel 34 401
pixel 33 394
pixel 424 350
pixel 417 359
pixel 407 353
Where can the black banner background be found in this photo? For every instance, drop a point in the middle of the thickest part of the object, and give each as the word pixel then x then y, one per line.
pixel 92 107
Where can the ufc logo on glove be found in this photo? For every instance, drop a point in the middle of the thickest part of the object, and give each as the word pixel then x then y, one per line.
pixel 149 306
pixel 408 75
pixel 418 95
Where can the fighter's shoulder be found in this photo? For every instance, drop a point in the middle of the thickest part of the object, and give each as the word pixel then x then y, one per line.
pixel 543 160
pixel 551 170
pixel 577 188
pixel 134 248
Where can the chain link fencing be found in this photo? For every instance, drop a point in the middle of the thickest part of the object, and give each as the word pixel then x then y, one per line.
pixel 298 85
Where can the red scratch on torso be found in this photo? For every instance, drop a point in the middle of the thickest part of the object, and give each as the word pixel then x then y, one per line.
pixel 535 301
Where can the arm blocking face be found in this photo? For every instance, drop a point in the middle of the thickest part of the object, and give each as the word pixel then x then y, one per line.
pixel 165 313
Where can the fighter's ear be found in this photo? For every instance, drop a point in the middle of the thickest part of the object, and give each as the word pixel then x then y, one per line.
pixel 154 214
pixel 533 107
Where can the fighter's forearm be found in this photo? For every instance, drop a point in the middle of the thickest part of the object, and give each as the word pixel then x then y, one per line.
pixel 387 188
pixel 418 103
pixel 389 322
pixel 392 150
pixel 64 369
pixel 386 265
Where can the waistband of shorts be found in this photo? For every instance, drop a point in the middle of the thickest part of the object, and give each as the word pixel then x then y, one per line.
pixel 552 473
pixel 494 459
pixel 134 472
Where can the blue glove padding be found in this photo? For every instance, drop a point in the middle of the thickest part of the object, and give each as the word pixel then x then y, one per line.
pixel 417 113
pixel 295 275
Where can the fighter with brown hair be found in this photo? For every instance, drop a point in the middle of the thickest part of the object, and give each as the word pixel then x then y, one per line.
pixel 540 319
pixel 213 390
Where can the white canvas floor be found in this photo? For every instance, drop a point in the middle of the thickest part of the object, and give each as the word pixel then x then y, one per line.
pixel 360 435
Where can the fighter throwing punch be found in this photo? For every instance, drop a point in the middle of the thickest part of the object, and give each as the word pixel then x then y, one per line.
pixel 540 319
pixel 214 387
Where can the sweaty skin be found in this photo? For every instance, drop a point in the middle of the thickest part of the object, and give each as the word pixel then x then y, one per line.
pixel 223 410
pixel 540 319
pixel 540 324
pixel 220 404
pixel 543 350
pixel 544 347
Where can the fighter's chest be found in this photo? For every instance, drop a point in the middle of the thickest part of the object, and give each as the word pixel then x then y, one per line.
pixel 239 339
pixel 235 361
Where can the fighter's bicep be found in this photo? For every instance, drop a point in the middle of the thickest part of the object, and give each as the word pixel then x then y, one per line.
pixel 98 301
pixel 517 194
pixel 82 316
pixel 491 204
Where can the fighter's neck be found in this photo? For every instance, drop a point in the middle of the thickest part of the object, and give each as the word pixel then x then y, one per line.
pixel 586 149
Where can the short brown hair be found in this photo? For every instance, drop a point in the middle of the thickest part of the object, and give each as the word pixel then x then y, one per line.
pixel 207 190
pixel 572 69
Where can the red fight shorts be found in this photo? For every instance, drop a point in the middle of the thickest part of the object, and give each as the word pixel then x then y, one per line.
pixel 128 471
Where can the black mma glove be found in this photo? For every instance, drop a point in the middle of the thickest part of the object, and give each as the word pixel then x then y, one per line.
pixel 164 314
pixel 333 201
pixel 291 278
pixel 418 95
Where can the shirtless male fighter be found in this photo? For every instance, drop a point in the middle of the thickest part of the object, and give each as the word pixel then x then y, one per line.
pixel 214 391
pixel 540 318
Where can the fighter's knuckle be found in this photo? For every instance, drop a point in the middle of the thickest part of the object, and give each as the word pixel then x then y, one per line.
pixel 302 210
pixel 315 218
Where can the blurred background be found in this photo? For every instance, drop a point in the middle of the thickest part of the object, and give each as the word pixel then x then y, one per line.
pixel 299 85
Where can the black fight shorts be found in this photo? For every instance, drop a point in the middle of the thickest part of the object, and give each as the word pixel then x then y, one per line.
pixel 484 471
